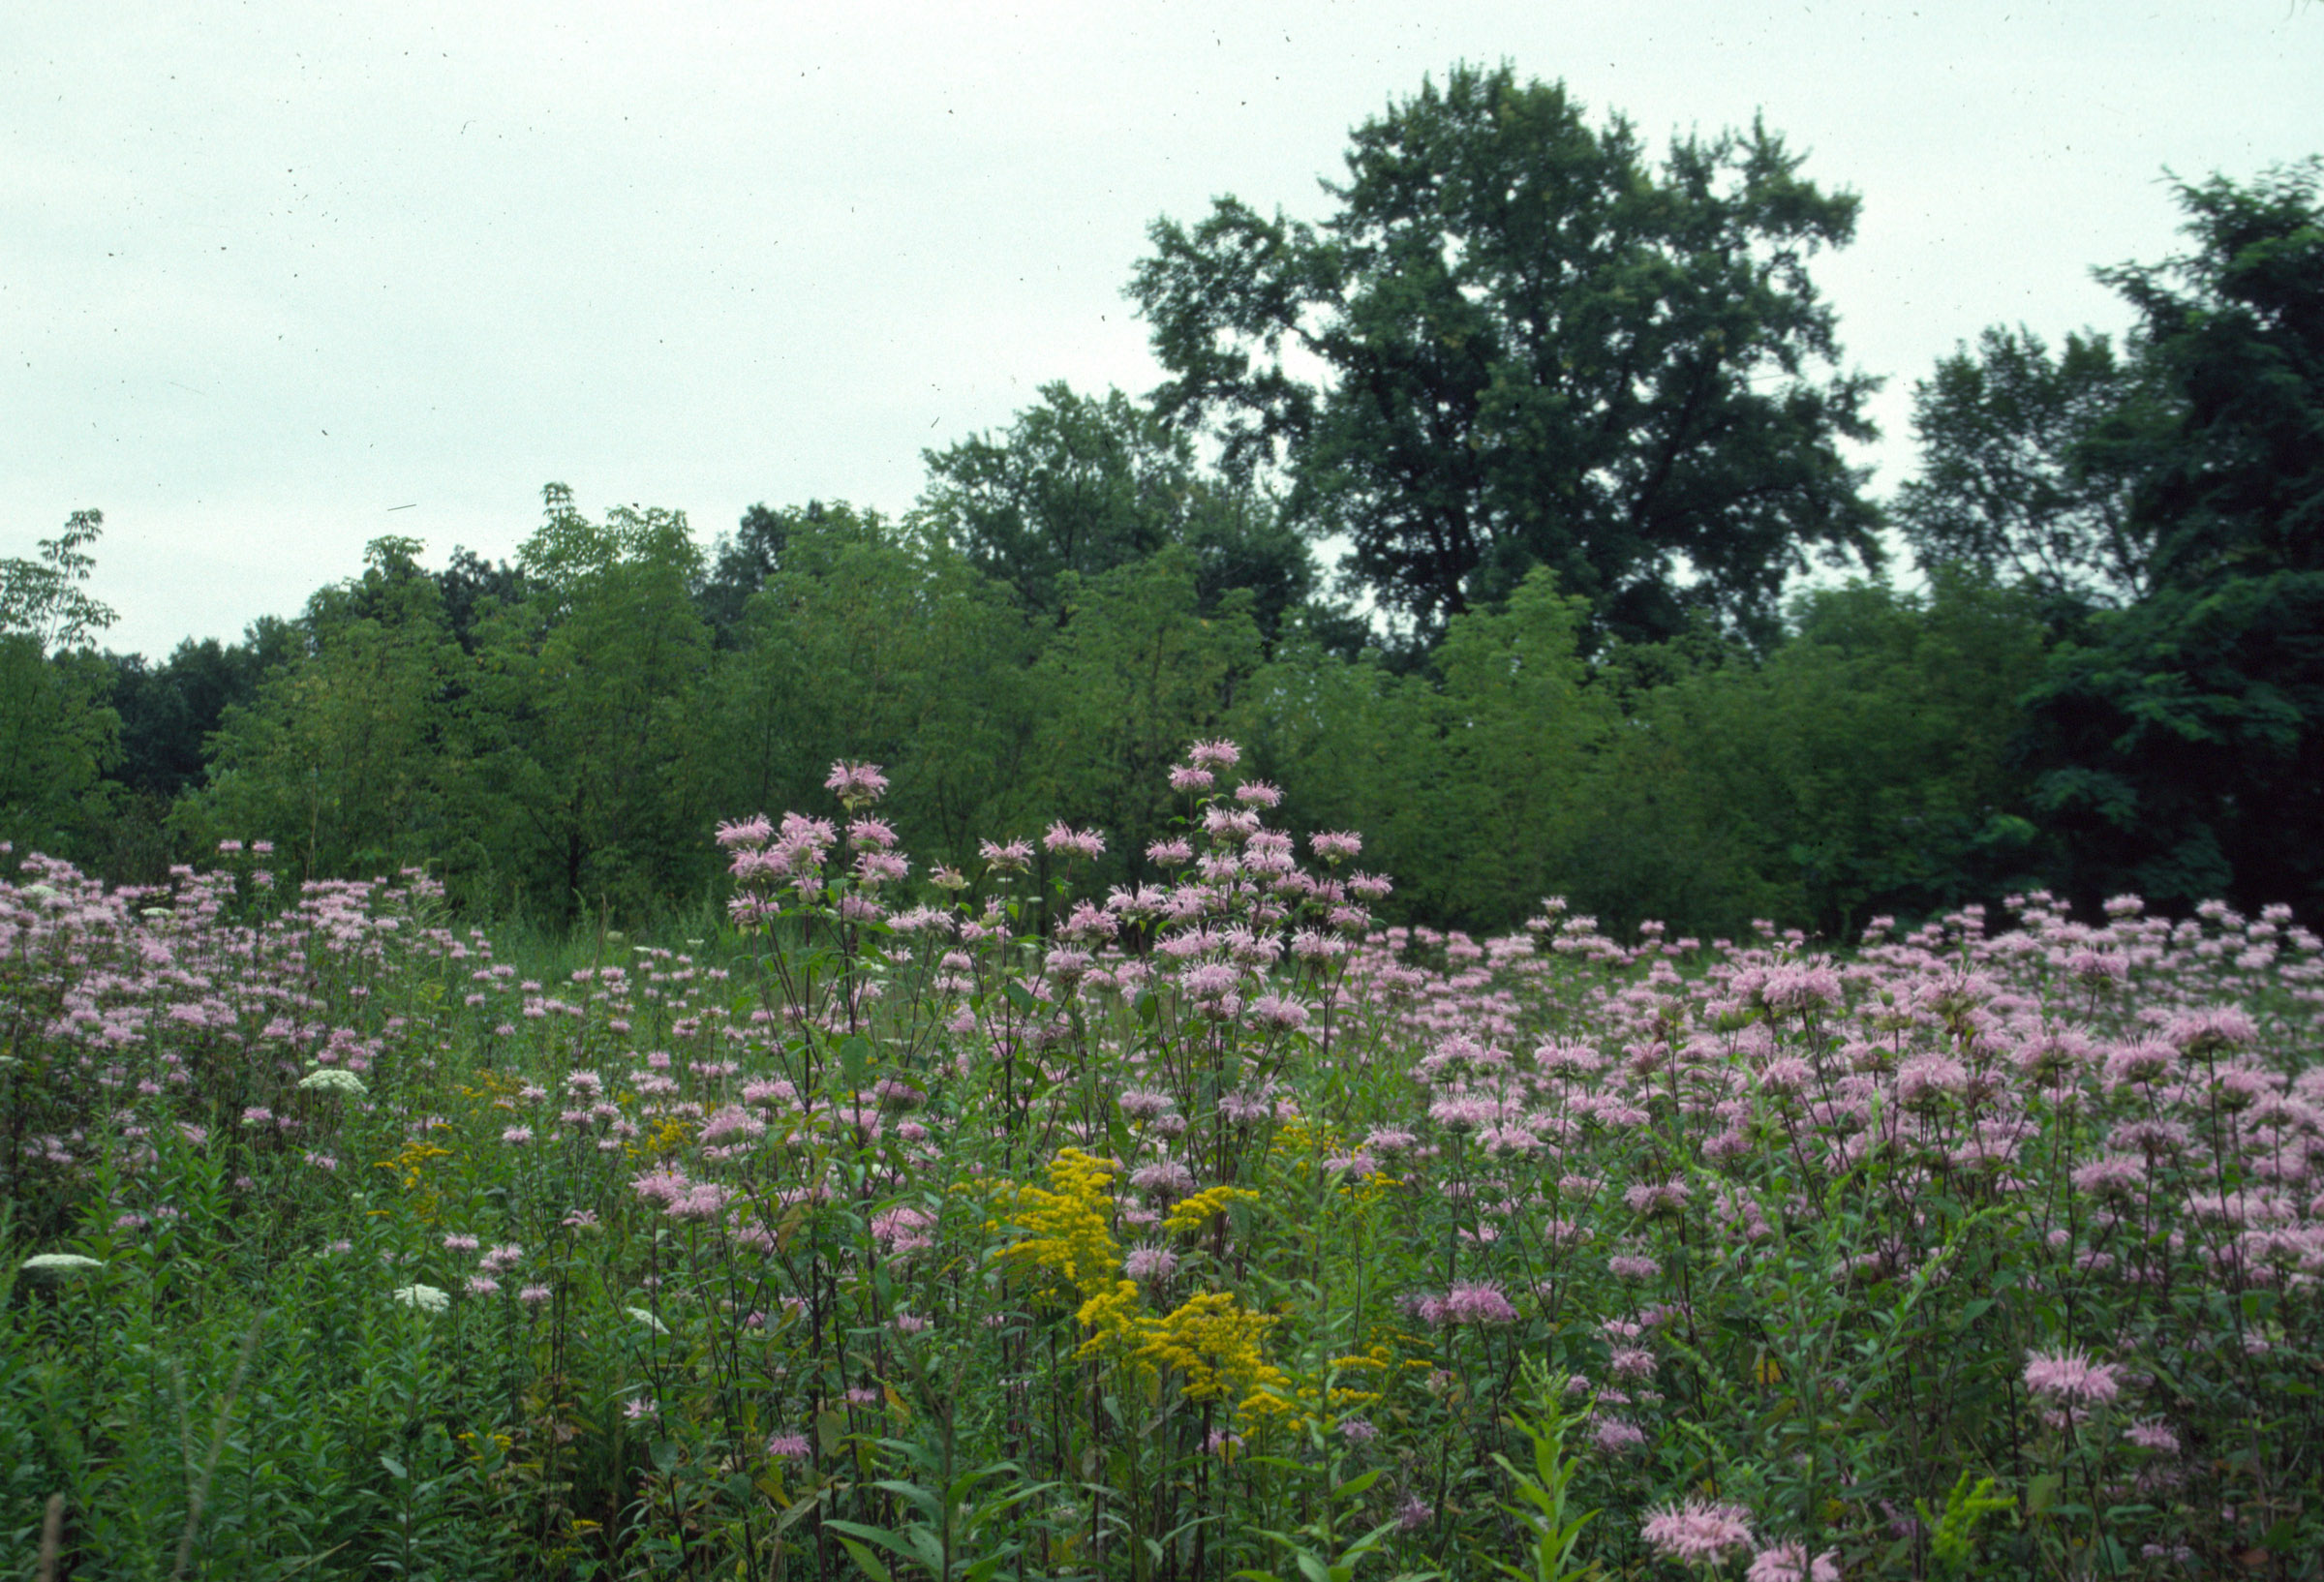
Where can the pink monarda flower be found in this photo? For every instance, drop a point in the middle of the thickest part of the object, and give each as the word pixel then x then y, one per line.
pixel 1215 755
pixel 1186 778
pixel 1006 856
pixel 1698 1531
pixel 788 1448
pixel 1149 1263
pixel 1170 853
pixel 2111 1176
pixel 1616 1436
pixel 1789 1562
pixel 1258 794
pixel 1651 1198
pixel 2206 1032
pixel 2072 1376
pixel 533 1296
pixel 754 831
pixel 853 784
pixel 1479 1301
pixel 1064 838
pixel 1335 845
pixel 1801 988
pixel 877 834
pixel 1279 1012
pixel 660 1186
pixel 1166 1175
pixel 1925 1081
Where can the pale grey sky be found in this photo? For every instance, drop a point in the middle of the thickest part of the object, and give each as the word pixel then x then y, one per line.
pixel 268 270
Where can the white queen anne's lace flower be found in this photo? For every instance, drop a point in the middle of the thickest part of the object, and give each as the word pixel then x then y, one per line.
pixel 59 1263
pixel 427 1299
pixel 332 1080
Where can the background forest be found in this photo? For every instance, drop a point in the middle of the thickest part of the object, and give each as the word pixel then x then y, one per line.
pixel 1569 419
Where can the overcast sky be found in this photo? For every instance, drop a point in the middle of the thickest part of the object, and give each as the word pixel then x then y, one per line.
pixel 270 271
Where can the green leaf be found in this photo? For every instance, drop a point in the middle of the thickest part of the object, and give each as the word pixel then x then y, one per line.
pixel 865 1559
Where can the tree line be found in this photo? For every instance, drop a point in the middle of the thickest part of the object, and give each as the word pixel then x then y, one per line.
pixel 1576 416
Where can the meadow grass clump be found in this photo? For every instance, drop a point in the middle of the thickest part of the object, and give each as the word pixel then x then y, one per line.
pixel 970 1225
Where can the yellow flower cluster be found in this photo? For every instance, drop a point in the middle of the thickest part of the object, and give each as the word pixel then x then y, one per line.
pixel 1216 1344
pixel 1310 1399
pixel 1198 1210
pixel 1304 1141
pixel 411 1163
pixel 667 1137
pixel 1065 1231
pixel 1115 1320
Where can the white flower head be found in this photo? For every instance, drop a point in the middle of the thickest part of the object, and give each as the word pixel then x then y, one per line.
pixel 427 1299
pixel 60 1264
pixel 649 1321
pixel 332 1080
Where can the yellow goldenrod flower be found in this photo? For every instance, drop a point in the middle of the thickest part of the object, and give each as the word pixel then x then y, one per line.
pixel 1065 1228
pixel 1198 1210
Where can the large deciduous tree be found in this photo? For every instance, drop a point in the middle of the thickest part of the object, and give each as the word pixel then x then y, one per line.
pixel 2028 462
pixel 1516 343
pixel 342 757
pixel 2182 743
pixel 56 732
pixel 1086 484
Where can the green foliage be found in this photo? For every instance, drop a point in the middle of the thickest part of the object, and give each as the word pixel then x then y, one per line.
pixel 1137 672
pixel 1544 1509
pixel 2026 467
pixel 584 723
pixel 1953 1531
pixel 1542 350
pixel 2179 740
pixel 2236 486
pixel 1084 486
pixel 57 733
pixel 1469 781
pixel 1865 766
pixel 874 643
pixel 343 759
pixel 2183 742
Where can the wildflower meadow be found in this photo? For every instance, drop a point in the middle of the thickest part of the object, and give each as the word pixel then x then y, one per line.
pixel 966 1223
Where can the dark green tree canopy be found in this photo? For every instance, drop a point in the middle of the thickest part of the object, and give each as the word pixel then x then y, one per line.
pixel 2181 747
pixel 1084 485
pixel 2236 487
pixel 740 562
pixel 42 598
pixel 1516 343
pixel 2028 462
